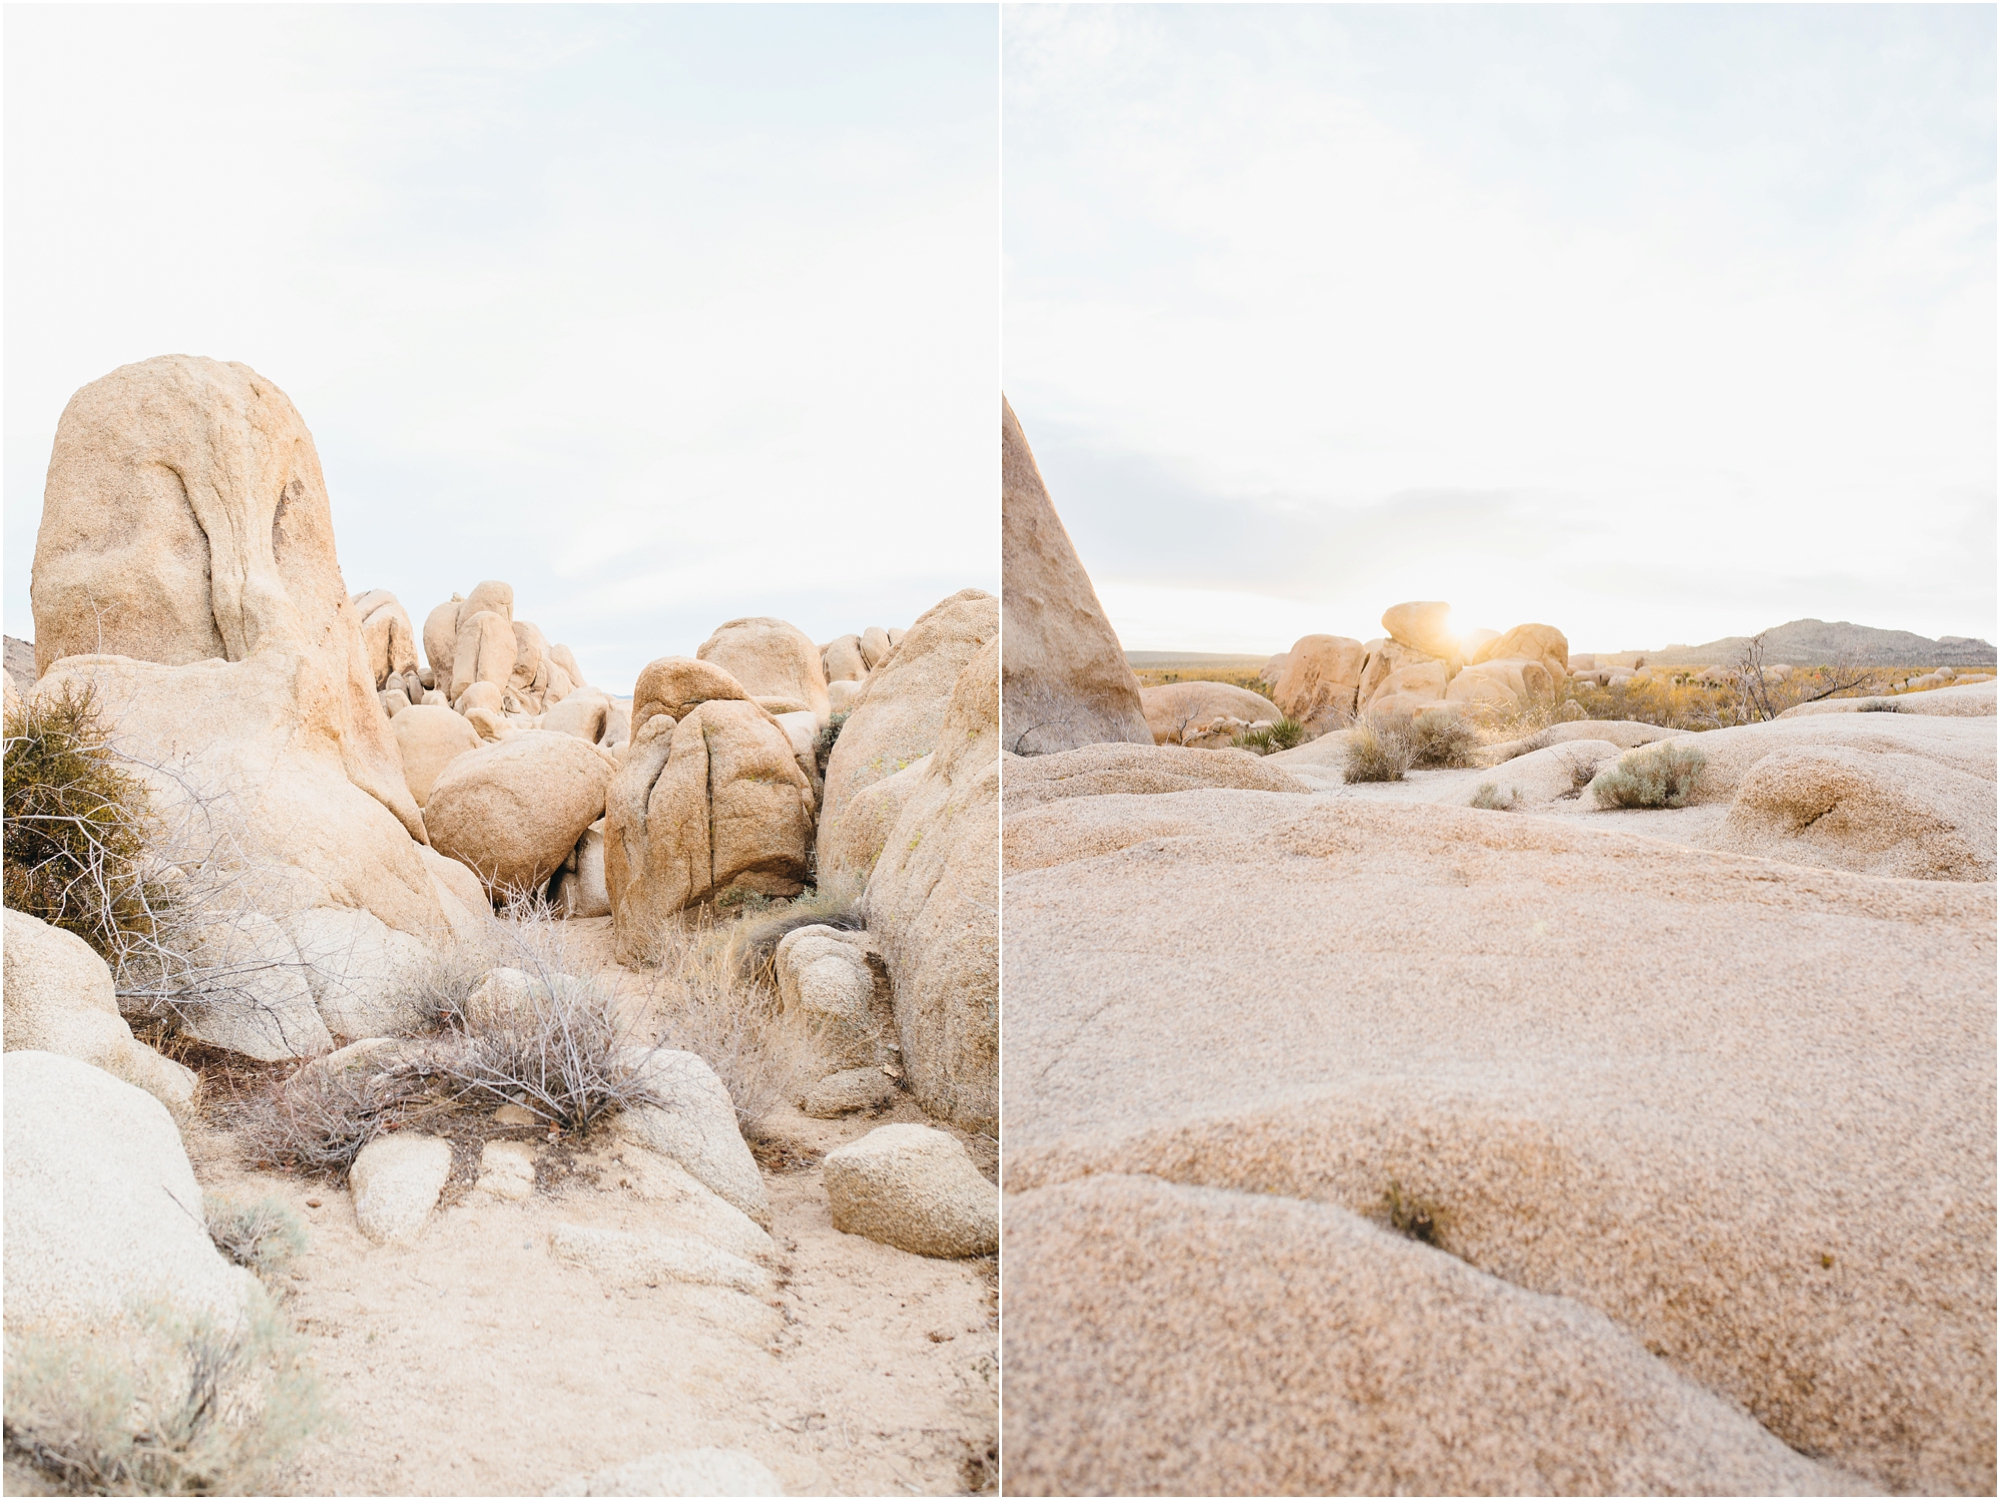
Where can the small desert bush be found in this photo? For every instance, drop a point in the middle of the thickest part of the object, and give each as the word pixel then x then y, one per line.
pixel 1377 752
pixel 180 1406
pixel 1439 738
pixel 1491 798
pixel 79 826
pixel 751 941
pixel 317 1121
pixel 714 999
pixel 1283 734
pixel 1662 776
pixel 263 1235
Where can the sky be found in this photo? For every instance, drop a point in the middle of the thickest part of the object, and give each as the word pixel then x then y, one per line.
pixel 664 315
pixel 1657 324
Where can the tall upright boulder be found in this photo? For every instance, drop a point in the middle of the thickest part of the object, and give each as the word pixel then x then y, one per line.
pixel 185 520
pixel 897 717
pixel 710 797
pixel 934 905
pixel 1064 678
pixel 1320 680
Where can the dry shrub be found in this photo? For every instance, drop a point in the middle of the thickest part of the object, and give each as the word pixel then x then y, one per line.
pixel 751 941
pixel 715 998
pixel 825 740
pixel 1440 739
pixel 1490 798
pixel 182 1406
pixel 262 1235
pixel 1377 751
pixel 1663 775
pixel 317 1121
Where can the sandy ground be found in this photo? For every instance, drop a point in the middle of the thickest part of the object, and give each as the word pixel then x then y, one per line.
pixel 475 1362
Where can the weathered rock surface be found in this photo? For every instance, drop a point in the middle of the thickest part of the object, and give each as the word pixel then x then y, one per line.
pixel 712 802
pixel 513 811
pixel 649 1259
pixel 429 738
pixel 364 976
pixel 59 998
pixel 685 1471
pixel 1065 677
pixel 1542 643
pixel 507 1169
pixel 933 905
pixel 850 846
pixel 257 998
pixel 1181 713
pixel 772 659
pixel 842 660
pixel 828 984
pixel 674 685
pixel 396 1181
pixel 698 1129
pixel 388 639
pixel 844 1093
pixel 584 891
pixel 1968 700
pixel 1099 770
pixel 1177 1339
pixel 1778 1179
pixel 896 719
pixel 1320 681
pixel 915 1188
pixel 251 737
pixel 185 521
pixel 102 1207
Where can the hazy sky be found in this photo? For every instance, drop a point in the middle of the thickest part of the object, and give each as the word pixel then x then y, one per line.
pixel 662 314
pixel 1657 324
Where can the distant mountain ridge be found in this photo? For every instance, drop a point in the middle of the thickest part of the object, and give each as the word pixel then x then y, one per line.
pixel 1805 643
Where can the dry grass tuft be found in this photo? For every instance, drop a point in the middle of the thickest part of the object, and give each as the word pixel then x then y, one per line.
pixel 1663 775
pixel 262 1235
pixel 1440 739
pixel 1376 752
pixel 181 1407
pixel 1491 798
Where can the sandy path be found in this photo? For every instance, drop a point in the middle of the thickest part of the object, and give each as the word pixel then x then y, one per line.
pixel 474 1362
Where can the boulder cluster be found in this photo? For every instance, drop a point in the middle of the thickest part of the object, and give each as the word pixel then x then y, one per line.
pixel 387 786
pixel 1327 681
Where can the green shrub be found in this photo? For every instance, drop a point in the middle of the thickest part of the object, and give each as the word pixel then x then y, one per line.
pixel 1439 738
pixel 1664 775
pixel 78 828
pixel 1284 734
pixel 1376 752
pixel 1491 798
pixel 824 742
pixel 177 1407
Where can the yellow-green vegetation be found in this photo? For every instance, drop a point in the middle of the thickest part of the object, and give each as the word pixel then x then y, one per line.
pixel 176 1406
pixel 1243 676
pixel 1491 798
pixel 262 1235
pixel 1663 775
pixel 79 825
pixel 1285 734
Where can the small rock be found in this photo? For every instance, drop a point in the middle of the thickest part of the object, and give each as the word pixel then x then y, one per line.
pixel 915 1188
pixel 843 1093
pixel 396 1181
pixel 697 1129
pixel 513 1114
pixel 686 1471
pixel 507 1169
pixel 650 1259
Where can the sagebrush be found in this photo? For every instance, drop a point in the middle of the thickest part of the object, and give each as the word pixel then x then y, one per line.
pixel 1664 775
pixel 1376 752
pixel 174 1406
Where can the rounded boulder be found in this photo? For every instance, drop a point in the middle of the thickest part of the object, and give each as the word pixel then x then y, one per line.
pixel 514 810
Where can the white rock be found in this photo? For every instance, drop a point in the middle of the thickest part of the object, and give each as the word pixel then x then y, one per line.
pixel 698 1129
pixel 396 1181
pixel 59 998
pixel 686 1471
pixel 651 1258
pixel 915 1188
pixel 102 1207
pixel 257 999
pixel 826 983
pixel 507 1170
pixel 363 974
